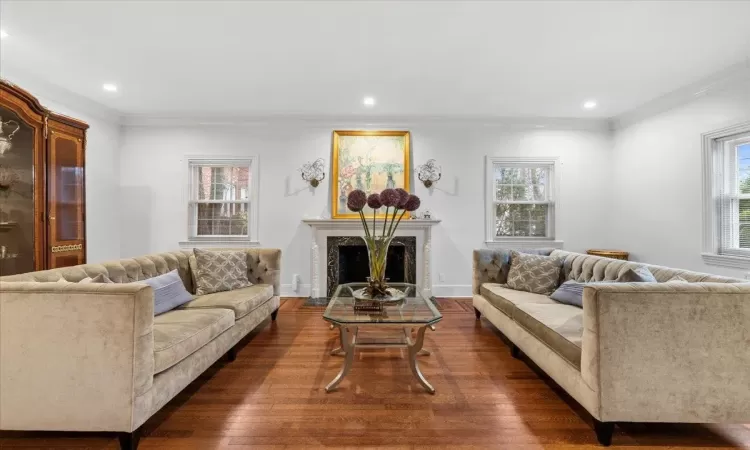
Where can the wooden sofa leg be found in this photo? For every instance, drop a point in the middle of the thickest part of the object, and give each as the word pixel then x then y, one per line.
pixel 477 313
pixel 129 441
pixel 232 354
pixel 515 351
pixel 274 314
pixel 604 432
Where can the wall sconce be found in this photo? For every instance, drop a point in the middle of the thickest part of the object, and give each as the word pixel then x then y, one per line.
pixel 313 172
pixel 429 173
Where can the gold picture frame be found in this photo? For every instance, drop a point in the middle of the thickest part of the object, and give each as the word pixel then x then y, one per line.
pixel 367 160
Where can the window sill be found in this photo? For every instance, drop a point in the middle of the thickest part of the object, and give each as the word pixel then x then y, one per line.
pixel 214 243
pixel 736 262
pixel 514 243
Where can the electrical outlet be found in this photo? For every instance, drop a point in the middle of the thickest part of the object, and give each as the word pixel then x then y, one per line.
pixel 295 282
pixel 441 277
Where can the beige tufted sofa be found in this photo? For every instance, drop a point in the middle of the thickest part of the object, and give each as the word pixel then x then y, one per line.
pixel 92 357
pixel 636 352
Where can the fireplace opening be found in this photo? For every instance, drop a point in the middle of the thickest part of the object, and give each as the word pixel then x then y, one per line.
pixel 347 261
pixel 354 264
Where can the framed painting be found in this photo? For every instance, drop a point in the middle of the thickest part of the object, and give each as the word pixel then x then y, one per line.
pixel 367 160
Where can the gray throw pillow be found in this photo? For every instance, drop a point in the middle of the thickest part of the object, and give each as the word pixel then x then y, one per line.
pixel 217 271
pixel 569 293
pixel 169 292
pixel 640 274
pixel 101 278
pixel 534 273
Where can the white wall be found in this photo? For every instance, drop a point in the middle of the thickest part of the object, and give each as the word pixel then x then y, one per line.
pixel 153 179
pixel 656 207
pixel 102 158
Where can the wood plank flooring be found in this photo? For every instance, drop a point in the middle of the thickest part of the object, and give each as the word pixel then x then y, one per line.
pixel 273 397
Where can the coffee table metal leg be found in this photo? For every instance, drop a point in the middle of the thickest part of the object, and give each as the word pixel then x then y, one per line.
pixel 347 347
pixel 414 349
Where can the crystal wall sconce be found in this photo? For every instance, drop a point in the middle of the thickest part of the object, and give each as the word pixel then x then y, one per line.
pixel 429 173
pixel 313 172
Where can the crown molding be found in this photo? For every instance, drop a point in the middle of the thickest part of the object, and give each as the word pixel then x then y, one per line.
pixel 360 121
pixel 77 104
pixel 723 79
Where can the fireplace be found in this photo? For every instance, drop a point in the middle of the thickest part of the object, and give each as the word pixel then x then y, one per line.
pixel 348 262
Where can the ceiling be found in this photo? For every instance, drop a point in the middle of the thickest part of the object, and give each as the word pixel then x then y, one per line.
pixel 420 58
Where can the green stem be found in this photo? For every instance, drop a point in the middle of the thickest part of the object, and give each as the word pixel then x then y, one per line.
pixel 364 223
pixel 374 230
pixel 399 220
pixel 385 221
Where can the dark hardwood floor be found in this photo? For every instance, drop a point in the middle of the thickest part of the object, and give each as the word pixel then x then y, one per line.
pixel 272 396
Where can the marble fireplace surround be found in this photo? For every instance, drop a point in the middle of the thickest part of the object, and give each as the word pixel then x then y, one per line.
pixel 322 229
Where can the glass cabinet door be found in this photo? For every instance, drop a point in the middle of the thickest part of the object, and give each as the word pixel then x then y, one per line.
pixel 66 199
pixel 17 212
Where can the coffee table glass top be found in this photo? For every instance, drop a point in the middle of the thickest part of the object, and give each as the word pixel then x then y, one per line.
pixel 414 309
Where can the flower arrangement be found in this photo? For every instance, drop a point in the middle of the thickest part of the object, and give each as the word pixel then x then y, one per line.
pixel 377 245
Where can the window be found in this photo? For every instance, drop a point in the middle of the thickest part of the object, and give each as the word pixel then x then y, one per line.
pixel 520 193
pixel 222 204
pixel 727 187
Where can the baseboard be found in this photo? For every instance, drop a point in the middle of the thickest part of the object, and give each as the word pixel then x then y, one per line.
pixel 438 290
pixel 451 290
pixel 302 291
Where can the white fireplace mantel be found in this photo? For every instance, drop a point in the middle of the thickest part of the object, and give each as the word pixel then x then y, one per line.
pixel 421 229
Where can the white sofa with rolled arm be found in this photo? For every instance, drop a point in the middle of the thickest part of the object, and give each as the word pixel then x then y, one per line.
pixel 636 352
pixel 92 357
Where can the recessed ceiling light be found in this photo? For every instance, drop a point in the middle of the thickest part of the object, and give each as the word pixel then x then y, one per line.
pixel 3 34
pixel 109 87
pixel 589 104
pixel 369 101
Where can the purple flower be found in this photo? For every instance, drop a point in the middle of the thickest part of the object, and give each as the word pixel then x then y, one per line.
pixel 389 197
pixel 357 200
pixel 404 195
pixel 373 201
pixel 412 204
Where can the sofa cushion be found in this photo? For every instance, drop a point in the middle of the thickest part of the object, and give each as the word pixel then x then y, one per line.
pixel 534 273
pixel 559 326
pixel 180 332
pixel 241 301
pixel 506 299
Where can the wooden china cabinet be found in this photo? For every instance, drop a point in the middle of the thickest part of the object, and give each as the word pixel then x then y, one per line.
pixel 42 189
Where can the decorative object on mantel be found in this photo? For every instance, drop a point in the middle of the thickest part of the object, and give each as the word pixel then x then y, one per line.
pixel 313 172
pixel 5 141
pixel 614 254
pixel 369 161
pixel 429 173
pixel 377 246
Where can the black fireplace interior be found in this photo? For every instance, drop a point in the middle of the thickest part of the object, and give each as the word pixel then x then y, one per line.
pixel 354 264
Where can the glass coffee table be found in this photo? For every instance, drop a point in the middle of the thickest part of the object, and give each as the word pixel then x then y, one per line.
pixel 403 317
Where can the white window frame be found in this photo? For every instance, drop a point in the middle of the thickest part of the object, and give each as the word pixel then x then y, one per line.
pixel 552 165
pixel 251 239
pixel 715 252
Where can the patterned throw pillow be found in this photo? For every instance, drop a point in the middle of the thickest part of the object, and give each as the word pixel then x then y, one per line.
pixel 640 274
pixel 534 273
pixel 218 271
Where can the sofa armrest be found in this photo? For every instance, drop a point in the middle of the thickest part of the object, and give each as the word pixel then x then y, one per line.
pixel 264 266
pixel 74 356
pixel 668 352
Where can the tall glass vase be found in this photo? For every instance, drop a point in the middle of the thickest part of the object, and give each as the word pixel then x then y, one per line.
pixel 377 252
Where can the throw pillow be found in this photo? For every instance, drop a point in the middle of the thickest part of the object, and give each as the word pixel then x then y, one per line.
pixel 101 278
pixel 218 271
pixel 640 274
pixel 677 279
pixel 534 273
pixel 169 292
pixel 569 293
pixel 497 262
